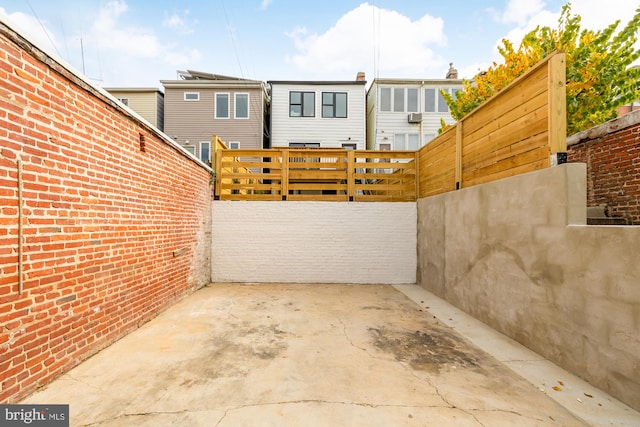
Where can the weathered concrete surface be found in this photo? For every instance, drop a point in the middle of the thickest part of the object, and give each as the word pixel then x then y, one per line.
pixel 516 255
pixel 323 355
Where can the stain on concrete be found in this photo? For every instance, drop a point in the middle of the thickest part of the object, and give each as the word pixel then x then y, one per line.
pixel 231 354
pixel 433 349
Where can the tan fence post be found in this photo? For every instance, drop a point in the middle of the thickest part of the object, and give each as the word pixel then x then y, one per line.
pixel 284 180
pixel 558 108
pixel 458 174
pixel 351 169
pixel 218 171
pixel 416 173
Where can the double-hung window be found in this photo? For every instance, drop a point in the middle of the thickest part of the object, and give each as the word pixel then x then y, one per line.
pixel 241 106
pixel 222 106
pixel 302 104
pixel 334 104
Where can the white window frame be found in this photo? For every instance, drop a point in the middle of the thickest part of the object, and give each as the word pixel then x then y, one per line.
pixel 188 99
pixel 235 105
pixel 233 145
pixel 190 148
pixel 215 106
pixel 200 145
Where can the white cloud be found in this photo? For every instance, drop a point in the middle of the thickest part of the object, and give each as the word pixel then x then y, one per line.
pixel 32 28
pixel 180 24
pixel 519 11
pixel 369 34
pixel 265 4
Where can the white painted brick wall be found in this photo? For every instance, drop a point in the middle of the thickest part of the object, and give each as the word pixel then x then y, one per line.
pixel 314 242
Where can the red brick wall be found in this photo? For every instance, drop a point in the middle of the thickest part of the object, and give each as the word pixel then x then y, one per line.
pixel 113 230
pixel 612 155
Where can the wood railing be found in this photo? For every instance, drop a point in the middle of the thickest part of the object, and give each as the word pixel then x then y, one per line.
pixel 315 174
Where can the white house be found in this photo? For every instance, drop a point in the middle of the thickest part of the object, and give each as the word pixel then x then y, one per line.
pixel 404 114
pixel 328 114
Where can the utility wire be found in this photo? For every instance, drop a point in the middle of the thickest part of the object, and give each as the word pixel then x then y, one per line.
pixel 233 39
pixel 43 28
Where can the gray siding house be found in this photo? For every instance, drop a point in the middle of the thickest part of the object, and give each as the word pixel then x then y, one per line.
pixel 405 114
pixel 146 101
pixel 200 105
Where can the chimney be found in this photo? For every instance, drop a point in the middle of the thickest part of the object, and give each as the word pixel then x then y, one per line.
pixel 360 76
pixel 452 73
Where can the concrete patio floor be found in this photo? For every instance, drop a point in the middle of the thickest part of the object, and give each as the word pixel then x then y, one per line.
pixel 323 355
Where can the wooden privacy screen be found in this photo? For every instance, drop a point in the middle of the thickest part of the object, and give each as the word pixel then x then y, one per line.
pixel 516 131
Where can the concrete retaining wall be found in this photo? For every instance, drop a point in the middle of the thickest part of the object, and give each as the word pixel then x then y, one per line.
pixel 314 242
pixel 515 254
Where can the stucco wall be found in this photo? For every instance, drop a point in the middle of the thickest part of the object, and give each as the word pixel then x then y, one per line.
pixel 314 242
pixel 515 254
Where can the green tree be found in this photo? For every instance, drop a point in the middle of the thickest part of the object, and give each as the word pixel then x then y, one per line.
pixel 600 77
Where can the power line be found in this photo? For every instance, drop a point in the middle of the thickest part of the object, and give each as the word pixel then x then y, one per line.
pixel 233 40
pixel 43 28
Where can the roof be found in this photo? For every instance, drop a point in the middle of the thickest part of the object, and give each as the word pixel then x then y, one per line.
pixel 317 82
pixel 133 89
pixel 195 79
pixel 416 81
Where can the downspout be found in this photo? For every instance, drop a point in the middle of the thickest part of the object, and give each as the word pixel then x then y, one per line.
pixel 20 249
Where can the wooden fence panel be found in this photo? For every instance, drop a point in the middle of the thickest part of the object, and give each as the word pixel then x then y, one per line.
pixel 516 131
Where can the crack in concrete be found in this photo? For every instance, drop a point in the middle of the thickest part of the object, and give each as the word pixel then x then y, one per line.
pixel 71 377
pixel 320 401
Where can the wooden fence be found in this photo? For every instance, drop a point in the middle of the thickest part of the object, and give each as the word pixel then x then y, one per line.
pixel 316 174
pixel 520 129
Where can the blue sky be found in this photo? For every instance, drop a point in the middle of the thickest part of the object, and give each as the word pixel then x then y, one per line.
pixel 140 42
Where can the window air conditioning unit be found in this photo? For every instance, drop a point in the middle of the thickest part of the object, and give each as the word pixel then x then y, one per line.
pixel 415 117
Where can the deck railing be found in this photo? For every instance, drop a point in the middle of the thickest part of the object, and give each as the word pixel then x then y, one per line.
pixel 315 174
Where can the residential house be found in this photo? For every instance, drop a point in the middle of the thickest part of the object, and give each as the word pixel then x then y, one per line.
pixel 146 101
pixel 405 114
pixel 200 105
pixel 328 114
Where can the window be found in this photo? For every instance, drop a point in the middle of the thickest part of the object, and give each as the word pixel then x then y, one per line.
pixel 234 145
pixel 403 141
pixel 413 142
pixel 192 96
pixel 430 100
pixel 304 144
pixel 205 152
pixel 398 99
pixel 125 101
pixel 190 148
pixel 442 104
pixel 412 100
pixel 302 104
pixel 334 104
pixel 349 146
pixel 242 106
pixel 385 99
pixel 427 137
pixel 222 106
